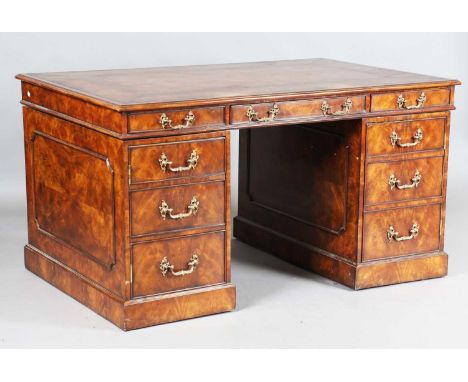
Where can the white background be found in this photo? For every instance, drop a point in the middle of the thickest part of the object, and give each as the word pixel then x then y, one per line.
pixel 278 305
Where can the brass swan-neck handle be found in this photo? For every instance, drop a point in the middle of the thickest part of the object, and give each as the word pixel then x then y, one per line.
pixel 392 234
pixel 402 103
pixel 253 115
pixel 166 266
pixel 393 182
pixel 166 164
pixel 166 211
pixel 395 139
pixel 167 123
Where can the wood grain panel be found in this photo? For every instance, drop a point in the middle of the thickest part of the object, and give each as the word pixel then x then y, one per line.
pixel 83 167
pixel 71 183
pixel 305 183
pixel 278 175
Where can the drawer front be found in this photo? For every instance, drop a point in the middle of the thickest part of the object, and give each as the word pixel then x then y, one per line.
pixel 410 100
pixel 176 119
pixel 177 160
pixel 177 208
pixel 398 137
pixel 404 180
pixel 266 112
pixel 174 264
pixel 401 231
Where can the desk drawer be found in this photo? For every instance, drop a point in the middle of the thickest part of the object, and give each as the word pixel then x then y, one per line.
pixel 401 231
pixel 175 264
pixel 184 159
pixel 183 207
pixel 410 135
pixel 404 180
pixel 410 100
pixel 268 112
pixel 170 120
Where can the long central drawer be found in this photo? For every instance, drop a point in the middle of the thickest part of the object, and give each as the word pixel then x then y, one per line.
pixel 287 110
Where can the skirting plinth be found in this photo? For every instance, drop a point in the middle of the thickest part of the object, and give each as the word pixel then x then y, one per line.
pixel 132 314
pixel 354 275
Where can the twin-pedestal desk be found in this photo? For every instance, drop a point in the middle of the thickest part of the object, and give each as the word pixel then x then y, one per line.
pixel 342 171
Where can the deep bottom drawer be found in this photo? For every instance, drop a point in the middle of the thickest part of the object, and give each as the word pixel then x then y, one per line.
pixel 178 263
pixel 401 231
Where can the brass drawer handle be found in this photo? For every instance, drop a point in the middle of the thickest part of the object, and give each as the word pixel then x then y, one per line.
pixel 393 235
pixel 393 182
pixel 401 101
pixel 345 108
pixel 396 140
pixel 166 266
pixel 253 116
pixel 167 123
pixel 165 163
pixel 192 210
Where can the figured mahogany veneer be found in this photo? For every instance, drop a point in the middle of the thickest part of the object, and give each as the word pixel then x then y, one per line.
pixel 389 101
pixel 129 103
pixel 376 244
pixel 146 215
pixel 379 189
pixel 128 179
pixel 433 128
pixel 299 109
pixel 334 172
pixel 147 257
pixel 61 190
pixel 86 220
pixel 145 160
pixel 202 117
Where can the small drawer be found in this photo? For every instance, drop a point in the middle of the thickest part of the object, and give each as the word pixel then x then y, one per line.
pixel 404 136
pixel 175 264
pixel 177 208
pixel 404 180
pixel 401 231
pixel 410 100
pixel 171 120
pixel 176 160
pixel 269 112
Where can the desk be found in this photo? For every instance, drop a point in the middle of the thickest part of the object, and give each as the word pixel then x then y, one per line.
pixel 343 171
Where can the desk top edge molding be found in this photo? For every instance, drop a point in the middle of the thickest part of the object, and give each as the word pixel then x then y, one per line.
pixel 403 81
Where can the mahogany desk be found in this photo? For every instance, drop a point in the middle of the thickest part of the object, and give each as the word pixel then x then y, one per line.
pixel 128 179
